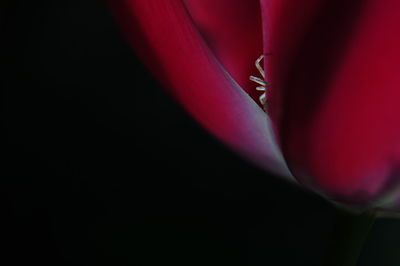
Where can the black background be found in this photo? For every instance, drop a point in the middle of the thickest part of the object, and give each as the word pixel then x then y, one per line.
pixel 102 167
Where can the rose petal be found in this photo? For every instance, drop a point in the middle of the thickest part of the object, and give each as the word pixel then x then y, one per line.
pixel 336 76
pixel 180 56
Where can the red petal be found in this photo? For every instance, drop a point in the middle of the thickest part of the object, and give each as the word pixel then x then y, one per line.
pixel 233 30
pixel 336 77
pixel 166 37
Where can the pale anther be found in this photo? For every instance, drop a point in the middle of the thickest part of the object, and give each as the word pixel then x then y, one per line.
pixel 258 81
pixel 261 81
pixel 258 66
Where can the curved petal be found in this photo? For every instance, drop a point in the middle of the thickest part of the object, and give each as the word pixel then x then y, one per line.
pixel 336 77
pixel 233 31
pixel 168 40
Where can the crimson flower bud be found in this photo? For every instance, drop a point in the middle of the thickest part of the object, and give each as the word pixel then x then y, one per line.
pixel 332 120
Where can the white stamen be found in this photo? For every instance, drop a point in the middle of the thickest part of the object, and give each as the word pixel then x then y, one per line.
pixel 263 98
pixel 258 66
pixel 264 84
pixel 258 81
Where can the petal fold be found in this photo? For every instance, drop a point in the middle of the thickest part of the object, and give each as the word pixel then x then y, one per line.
pixel 166 37
pixel 233 31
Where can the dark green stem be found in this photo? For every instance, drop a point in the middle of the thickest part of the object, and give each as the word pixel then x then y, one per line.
pixel 348 237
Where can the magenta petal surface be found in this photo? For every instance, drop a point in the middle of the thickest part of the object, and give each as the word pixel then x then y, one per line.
pixel 233 31
pixel 166 37
pixel 336 75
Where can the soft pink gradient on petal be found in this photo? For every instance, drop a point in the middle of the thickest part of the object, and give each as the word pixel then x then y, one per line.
pixel 336 77
pixel 179 55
